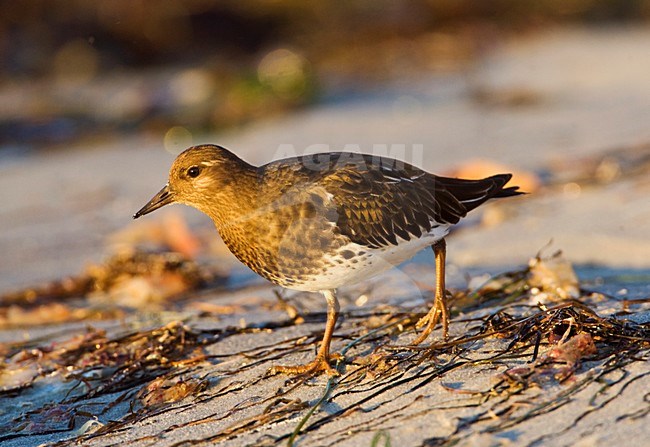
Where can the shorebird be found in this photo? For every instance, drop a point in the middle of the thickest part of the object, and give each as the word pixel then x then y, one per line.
pixel 318 222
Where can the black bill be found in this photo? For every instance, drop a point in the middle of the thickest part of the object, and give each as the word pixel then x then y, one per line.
pixel 164 197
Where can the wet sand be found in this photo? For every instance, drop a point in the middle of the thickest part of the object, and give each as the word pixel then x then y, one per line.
pixel 555 105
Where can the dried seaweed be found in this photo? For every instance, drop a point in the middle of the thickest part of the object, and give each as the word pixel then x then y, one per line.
pixel 502 331
pixel 133 278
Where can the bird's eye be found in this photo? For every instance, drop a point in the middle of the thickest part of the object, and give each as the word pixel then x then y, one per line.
pixel 193 172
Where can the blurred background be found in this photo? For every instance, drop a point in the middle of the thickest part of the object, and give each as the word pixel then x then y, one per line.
pixel 78 70
pixel 97 97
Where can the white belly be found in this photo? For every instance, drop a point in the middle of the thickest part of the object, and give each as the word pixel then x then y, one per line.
pixel 369 263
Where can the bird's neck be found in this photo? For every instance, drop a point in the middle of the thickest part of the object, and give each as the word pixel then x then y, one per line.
pixel 236 197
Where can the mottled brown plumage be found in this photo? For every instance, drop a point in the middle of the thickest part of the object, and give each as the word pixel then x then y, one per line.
pixel 321 221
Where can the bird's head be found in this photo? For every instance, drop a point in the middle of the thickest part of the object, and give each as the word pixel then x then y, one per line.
pixel 199 177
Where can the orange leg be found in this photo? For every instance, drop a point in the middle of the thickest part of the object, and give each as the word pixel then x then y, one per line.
pixel 439 308
pixel 322 360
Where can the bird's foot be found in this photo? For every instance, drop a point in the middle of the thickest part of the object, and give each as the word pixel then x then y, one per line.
pixel 319 364
pixel 430 320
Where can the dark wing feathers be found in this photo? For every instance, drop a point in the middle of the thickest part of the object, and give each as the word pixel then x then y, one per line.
pixel 378 199
pixel 377 203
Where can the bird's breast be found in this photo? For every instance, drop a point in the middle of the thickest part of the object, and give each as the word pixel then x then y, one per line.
pixel 287 249
pixel 312 256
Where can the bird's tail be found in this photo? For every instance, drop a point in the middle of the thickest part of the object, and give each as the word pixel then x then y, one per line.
pixel 472 193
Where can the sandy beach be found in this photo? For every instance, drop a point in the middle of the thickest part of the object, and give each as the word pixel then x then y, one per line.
pixel 567 107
